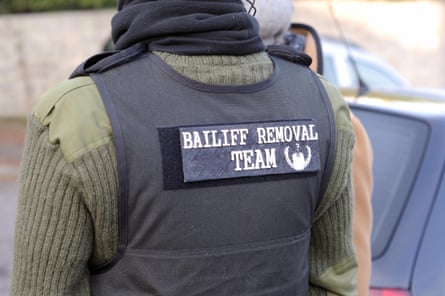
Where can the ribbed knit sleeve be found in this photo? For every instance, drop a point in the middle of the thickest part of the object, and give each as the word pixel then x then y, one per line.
pixel 58 216
pixel 53 224
pixel 332 259
pixel 97 171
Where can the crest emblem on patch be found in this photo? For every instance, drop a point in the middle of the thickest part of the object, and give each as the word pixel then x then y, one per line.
pixel 297 160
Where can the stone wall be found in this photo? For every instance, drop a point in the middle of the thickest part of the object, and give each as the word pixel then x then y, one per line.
pixel 39 50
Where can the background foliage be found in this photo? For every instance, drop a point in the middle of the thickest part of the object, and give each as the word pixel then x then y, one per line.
pixel 25 6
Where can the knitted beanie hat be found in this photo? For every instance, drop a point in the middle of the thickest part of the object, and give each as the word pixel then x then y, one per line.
pixel 274 18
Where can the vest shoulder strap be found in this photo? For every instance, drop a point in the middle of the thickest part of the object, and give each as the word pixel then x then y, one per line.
pixel 290 54
pixel 107 60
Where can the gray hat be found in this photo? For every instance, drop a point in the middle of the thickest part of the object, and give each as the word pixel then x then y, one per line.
pixel 274 18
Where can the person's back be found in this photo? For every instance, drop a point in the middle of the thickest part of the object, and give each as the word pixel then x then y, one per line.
pixel 184 164
pixel 231 175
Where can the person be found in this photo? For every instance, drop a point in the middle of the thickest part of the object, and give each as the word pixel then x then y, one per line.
pixel 187 162
pixel 275 19
pixel 362 185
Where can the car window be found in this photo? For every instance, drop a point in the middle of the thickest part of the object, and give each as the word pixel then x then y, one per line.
pixel 329 70
pixel 374 76
pixel 398 144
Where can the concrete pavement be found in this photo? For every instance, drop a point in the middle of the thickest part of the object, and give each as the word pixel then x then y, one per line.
pixel 12 133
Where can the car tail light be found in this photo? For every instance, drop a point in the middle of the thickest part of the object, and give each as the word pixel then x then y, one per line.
pixel 388 292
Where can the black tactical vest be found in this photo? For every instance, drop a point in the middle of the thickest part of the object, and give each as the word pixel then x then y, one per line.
pixel 219 184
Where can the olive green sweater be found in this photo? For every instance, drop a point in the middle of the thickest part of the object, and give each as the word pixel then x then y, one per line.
pixel 67 207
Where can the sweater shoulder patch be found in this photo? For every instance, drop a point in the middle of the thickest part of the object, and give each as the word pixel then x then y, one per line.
pixel 49 99
pixel 75 116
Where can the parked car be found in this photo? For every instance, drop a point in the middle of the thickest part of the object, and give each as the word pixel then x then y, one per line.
pixel 406 127
pixel 408 197
pixel 343 64
pixel 340 60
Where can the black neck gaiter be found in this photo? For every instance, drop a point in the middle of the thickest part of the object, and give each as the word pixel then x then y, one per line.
pixel 188 27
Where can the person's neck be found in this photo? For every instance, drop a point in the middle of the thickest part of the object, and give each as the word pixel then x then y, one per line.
pixel 221 69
